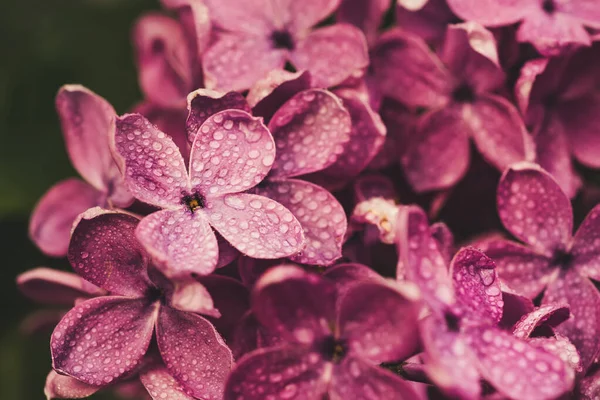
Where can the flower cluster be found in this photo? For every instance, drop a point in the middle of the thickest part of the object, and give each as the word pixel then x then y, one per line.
pixel 258 227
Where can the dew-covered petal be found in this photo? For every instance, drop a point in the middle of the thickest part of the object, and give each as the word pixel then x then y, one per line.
pixel 550 315
pixel 438 152
pixel 284 372
pixel 105 252
pixel 304 15
pixel 51 286
pixel 331 54
pixel 310 131
pixel 232 152
pixel 160 384
pixel 378 321
pixel 193 352
pixel 64 387
pixel 52 219
pixel 320 214
pixel 533 208
pixel 518 369
pixel 255 225
pixel 151 162
pixel 367 15
pixel 523 269
pixel 584 301
pixel 163 60
pixel 477 287
pixel 203 103
pixel 103 338
pixel 586 245
pixel 236 62
pixel 559 346
pixel 294 303
pixel 589 387
pixel 407 71
pixel 181 242
pixel 490 12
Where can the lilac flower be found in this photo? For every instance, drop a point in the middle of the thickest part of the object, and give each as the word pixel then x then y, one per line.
pixel 550 25
pixel 458 88
pixel 461 340
pixel 86 123
pixel 231 153
pixel 257 37
pixel 536 211
pixel 105 338
pixel 327 350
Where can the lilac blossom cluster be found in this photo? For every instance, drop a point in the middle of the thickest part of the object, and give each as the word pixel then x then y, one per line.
pixel 241 234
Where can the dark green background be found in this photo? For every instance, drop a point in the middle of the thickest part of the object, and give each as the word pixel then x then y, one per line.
pixel 43 45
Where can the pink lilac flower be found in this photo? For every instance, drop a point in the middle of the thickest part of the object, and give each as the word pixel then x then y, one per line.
pixel 86 123
pixel 550 25
pixel 461 340
pixel 104 338
pixel 330 350
pixel 458 88
pixel 551 259
pixel 231 153
pixel 257 37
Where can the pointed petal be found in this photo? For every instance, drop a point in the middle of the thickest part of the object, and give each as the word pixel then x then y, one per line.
pixel 310 132
pixel 366 15
pixel 52 219
pixel 355 378
pixel 203 103
pixel 255 225
pixel 320 214
pixel 160 384
pixel 550 315
pixel 489 12
pixel 285 371
pixel 121 327
pixel 191 296
pixel 181 242
pixel 552 34
pixel 524 85
pixel 105 252
pixel 586 245
pixel 65 387
pixel 298 305
pixel 151 162
pixel 50 286
pixel 378 321
pixel 332 54
pixel 191 347
pixel 232 152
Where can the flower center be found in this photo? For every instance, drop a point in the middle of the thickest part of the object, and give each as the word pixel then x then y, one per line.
pixel 333 349
pixel 562 259
pixel 463 94
pixel 282 40
pixel 193 201
pixel 452 321
pixel 549 6
pixel 154 294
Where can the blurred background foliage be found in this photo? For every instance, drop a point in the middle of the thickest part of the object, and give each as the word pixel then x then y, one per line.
pixel 45 44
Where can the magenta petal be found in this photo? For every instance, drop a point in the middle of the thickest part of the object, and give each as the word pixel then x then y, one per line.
pixel 255 225
pixel 232 152
pixel 552 34
pixel 354 378
pixel 52 219
pixel 181 242
pixel 549 315
pixel 104 251
pixel 195 20
pixel 286 372
pixel 50 286
pixel 586 245
pixel 163 60
pixel 308 13
pixel 203 103
pixel 121 327
pixel 194 353
pixel 320 214
pixel 524 85
pixel 589 387
pixel 332 54
pixel 379 213
pixel 582 118
pixel 294 303
pixel 227 253
pixel 65 387
pixel 559 346
pixel 378 321
pixel 231 15
pixel 444 238
pixel 160 384
pixel 490 12
pixel 366 15
pixel 152 164
pixel 425 18
pixel 192 296
pixel 310 132
pixel 347 274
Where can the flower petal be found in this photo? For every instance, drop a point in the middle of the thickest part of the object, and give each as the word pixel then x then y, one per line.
pixel 581 117
pixel 559 346
pixel 310 131
pixel 50 286
pixel 52 219
pixel 191 296
pixel 306 14
pixel 255 225
pixel 65 387
pixel 378 321
pixel 369 186
pixel 586 245
pixel 160 384
pixel 191 347
pixel 320 214
pixel 250 335
pixel 247 18
pixel 182 243
pixel 442 234
pixel 425 18
pixel 345 275
pixel 297 305
pixel 121 327
pixel 151 162
pixel 367 15
pixel 331 54
pixel 549 315
pixel 534 209
pixel 105 252
pixel 490 12
pixel 589 387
